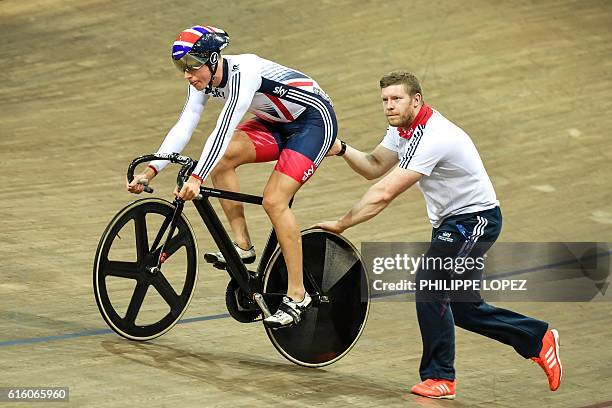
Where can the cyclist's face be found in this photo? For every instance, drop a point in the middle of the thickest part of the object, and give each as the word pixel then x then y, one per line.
pixel 198 78
pixel 400 108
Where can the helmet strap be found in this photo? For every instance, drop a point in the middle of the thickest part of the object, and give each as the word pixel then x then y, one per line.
pixel 213 64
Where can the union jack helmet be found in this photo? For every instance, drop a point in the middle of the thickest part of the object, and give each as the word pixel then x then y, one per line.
pixel 202 41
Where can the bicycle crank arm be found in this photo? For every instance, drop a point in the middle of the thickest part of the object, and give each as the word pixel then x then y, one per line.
pixel 262 304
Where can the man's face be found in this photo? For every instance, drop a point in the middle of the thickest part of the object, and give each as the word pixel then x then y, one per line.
pixel 199 78
pixel 400 108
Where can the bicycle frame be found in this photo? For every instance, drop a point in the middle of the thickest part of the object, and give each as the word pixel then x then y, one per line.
pixel 250 285
pixel 235 267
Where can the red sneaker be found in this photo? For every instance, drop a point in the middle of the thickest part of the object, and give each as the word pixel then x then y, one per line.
pixel 549 359
pixel 432 388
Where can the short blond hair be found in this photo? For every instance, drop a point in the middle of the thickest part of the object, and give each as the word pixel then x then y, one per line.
pixel 408 79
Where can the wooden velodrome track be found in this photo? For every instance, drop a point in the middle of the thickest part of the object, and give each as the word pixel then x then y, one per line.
pixel 86 85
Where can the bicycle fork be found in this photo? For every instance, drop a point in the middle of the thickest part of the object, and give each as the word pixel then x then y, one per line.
pixel 163 255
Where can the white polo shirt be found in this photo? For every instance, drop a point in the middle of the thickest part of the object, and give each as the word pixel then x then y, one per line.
pixel 454 178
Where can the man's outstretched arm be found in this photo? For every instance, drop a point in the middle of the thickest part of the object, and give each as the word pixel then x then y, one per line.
pixel 369 165
pixel 376 199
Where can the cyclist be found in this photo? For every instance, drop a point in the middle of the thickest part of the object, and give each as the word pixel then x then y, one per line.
pixel 294 124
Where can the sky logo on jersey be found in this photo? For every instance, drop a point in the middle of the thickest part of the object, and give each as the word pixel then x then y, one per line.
pixel 215 93
pixel 280 91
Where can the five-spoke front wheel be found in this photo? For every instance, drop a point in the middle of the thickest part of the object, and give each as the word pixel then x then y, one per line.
pixel 136 299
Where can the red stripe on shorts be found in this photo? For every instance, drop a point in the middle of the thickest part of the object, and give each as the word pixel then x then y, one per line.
pixel 266 148
pixel 295 165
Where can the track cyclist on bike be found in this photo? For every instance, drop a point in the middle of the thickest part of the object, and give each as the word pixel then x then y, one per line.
pixel 294 124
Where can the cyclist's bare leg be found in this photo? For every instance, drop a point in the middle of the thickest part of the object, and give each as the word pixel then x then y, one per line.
pixel 224 177
pixel 277 194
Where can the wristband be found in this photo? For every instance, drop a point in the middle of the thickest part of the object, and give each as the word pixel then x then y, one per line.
pixel 342 148
pixel 194 175
pixel 153 168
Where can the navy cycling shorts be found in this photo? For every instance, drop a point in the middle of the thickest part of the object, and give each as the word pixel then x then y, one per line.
pixel 299 146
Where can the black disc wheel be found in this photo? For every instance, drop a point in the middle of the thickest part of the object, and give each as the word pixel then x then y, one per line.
pixel 336 279
pixel 137 301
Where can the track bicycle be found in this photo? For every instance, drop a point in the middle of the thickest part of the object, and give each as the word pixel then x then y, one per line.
pixel 149 250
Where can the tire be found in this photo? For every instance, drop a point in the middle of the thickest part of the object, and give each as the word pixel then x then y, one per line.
pixel 115 270
pixel 332 325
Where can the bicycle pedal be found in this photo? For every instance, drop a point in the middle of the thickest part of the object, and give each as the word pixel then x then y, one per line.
pixel 288 326
pixel 219 265
pixel 211 258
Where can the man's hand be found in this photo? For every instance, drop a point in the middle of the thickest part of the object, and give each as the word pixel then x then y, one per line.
pixel 190 190
pixel 335 149
pixel 333 226
pixel 135 187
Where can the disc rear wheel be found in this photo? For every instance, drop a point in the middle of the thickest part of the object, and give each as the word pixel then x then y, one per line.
pixel 335 277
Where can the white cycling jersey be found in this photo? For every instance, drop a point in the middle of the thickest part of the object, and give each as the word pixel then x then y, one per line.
pixel 454 178
pixel 270 91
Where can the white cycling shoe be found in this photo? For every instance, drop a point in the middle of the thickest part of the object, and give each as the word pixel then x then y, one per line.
pixel 247 255
pixel 289 312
